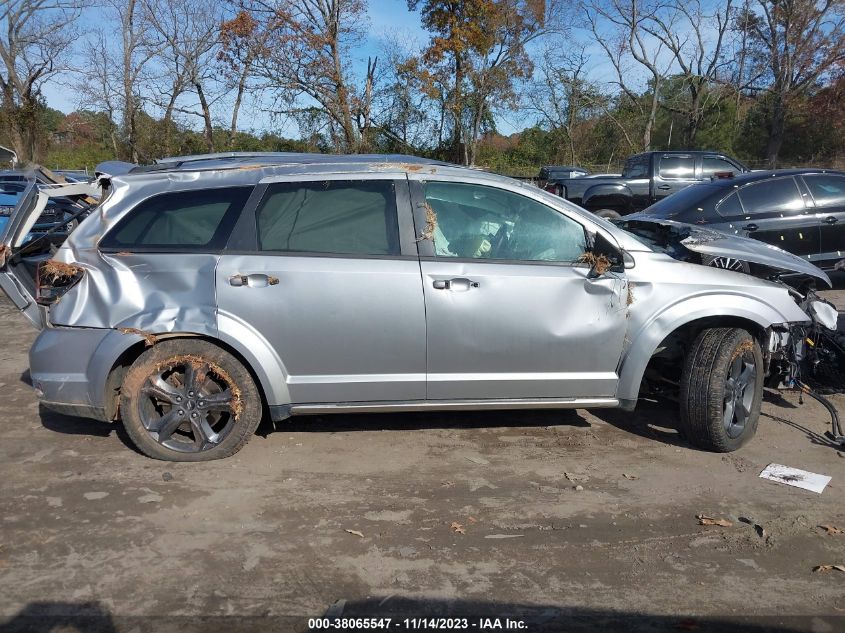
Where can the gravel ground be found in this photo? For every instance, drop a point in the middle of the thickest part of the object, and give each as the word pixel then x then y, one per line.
pixel 560 520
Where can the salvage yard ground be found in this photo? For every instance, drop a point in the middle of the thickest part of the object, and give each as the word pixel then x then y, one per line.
pixel 551 517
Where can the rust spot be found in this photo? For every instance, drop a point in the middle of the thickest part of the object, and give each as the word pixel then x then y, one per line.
pixel 413 167
pixel 600 262
pixel 52 271
pixel 149 339
pixel 430 223
pixel 630 299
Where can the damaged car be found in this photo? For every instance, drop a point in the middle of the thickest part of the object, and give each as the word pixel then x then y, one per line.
pixel 204 293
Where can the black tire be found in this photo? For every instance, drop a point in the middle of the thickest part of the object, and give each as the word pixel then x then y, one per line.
pixel 187 400
pixel 715 375
pixel 609 214
pixel 726 263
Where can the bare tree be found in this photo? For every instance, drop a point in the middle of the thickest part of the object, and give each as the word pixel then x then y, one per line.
pixel 116 74
pixel 35 40
pixel 696 39
pixel 189 31
pixel 619 26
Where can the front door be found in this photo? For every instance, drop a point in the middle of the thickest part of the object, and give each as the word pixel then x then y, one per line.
pixel 330 279
pixel 510 310
pixel 672 172
pixel 774 212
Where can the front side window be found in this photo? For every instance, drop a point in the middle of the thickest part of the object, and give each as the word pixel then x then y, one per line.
pixel 478 222
pixel 711 165
pixel 677 167
pixel 345 217
pixel 183 220
pixel 771 196
pixel 827 190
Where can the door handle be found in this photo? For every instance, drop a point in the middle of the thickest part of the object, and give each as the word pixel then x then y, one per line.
pixel 255 280
pixel 664 187
pixel 458 284
pixel 831 219
pixel 751 227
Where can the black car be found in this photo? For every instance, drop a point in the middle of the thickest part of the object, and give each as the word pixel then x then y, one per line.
pixel 550 176
pixel 799 210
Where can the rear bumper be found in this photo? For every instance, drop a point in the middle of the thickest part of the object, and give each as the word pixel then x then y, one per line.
pixel 60 366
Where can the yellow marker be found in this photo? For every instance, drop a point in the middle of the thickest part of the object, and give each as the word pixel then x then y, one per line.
pixel 810 343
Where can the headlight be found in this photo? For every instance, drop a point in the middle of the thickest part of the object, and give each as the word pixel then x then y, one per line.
pixel 824 313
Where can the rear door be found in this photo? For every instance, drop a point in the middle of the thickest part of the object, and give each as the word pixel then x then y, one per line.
pixel 672 172
pixel 19 259
pixel 326 271
pixel 828 191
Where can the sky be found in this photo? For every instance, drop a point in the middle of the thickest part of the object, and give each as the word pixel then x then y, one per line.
pixel 387 20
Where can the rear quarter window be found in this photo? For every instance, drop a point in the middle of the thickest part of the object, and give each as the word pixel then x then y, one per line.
pixel 184 220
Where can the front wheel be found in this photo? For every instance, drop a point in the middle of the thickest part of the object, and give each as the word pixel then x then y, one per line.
pixel 722 389
pixel 187 400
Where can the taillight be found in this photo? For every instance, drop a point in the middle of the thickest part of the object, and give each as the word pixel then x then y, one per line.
pixel 550 188
pixel 53 279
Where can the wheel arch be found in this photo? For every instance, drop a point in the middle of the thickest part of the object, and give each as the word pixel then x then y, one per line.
pixel 665 328
pixel 123 353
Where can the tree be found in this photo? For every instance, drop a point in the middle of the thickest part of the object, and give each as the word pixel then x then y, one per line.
pixel 477 51
pixel 797 42
pixel 35 41
pixel 696 40
pixel 619 26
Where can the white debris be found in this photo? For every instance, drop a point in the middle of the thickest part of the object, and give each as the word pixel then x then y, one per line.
pixel 795 477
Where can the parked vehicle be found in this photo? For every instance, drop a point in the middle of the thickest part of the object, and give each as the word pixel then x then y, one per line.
pixel 550 176
pixel 646 178
pixel 206 292
pixel 799 210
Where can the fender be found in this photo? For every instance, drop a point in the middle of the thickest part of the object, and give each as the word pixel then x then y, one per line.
pixel 604 195
pixel 650 334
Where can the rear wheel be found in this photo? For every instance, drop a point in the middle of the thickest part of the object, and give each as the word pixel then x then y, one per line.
pixel 722 389
pixel 610 214
pixel 188 400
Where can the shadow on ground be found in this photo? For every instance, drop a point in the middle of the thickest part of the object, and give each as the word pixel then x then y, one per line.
pixel 406 615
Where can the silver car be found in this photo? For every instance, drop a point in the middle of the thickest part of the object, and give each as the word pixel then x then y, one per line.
pixel 203 293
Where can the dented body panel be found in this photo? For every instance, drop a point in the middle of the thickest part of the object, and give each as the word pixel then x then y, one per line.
pixel 332 331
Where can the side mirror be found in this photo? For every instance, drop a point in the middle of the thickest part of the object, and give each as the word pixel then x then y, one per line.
pixel 604 256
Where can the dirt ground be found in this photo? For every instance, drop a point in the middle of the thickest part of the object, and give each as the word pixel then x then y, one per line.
pixel 558 520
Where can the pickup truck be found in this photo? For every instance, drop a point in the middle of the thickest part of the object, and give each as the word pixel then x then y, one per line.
pixel 645 179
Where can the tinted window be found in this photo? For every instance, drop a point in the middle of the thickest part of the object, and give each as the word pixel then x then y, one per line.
pixel 478 222
pixel 827 190
pixel 711 165
pixel 677 167
pixel 685 202
pixel 187 220
pixel 730 206
pixel 332 216
pixel 636 167
pixel 768 196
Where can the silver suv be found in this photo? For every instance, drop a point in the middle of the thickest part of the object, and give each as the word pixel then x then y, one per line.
pixel 204 293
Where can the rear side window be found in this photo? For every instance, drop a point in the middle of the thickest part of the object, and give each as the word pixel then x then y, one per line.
pixel 636 167
pixel 343 217
pixel 183 220
pixel 828 191
pixel 771 196
pixel 677 167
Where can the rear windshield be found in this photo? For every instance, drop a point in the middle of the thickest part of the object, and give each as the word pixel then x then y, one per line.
pixel 687 199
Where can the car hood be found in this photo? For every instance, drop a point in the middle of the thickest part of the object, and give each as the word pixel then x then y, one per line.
pixel 717 244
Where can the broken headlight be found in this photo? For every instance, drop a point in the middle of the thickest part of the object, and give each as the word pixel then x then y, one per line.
pixel 824 314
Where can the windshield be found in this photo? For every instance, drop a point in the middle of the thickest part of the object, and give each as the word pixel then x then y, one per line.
pixel 689 198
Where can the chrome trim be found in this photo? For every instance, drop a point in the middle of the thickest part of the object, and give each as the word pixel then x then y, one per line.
pixel 454 405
